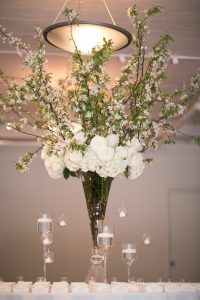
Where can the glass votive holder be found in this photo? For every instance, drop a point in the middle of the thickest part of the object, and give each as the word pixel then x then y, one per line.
pixel 147 239
pixel 41 279
pixel 114 279
pixel 62 221
pixel 64 279
pixel 20 278
pixel 122 212
pixel 44 223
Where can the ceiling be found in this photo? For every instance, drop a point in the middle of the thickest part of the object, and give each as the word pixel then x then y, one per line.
pixel 179 17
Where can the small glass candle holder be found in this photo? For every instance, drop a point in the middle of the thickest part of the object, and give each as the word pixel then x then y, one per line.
pixel 62 221
pixel 64 279
pixel 122 212
pixel 20 278
pixel 147 239
pixel 44 223
pixel 114 279
pixel 41 279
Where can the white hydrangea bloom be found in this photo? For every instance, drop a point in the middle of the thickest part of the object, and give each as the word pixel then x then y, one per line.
pixel 105 153
pixel 44 152
pixel 90 161
pixel 112 168
pixel 72 165
pixel 122 152
pixel 136 166
pixel 107 161
pixel 112 140
pixel 98 142
pixel 75 156
pixel 135 144
pixel 54 166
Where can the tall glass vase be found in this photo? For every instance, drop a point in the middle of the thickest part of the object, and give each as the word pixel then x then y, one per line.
pixel 96 191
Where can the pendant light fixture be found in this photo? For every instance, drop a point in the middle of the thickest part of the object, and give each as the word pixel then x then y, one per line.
pixel 86 35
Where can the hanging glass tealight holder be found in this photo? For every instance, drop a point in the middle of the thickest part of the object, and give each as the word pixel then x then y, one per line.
pixel 48 257
pixel 62 221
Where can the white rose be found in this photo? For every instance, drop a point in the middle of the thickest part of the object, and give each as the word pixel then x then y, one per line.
pixel 98 142
pixel 112 140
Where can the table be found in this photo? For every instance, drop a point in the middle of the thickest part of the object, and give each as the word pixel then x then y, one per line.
pixel 135 296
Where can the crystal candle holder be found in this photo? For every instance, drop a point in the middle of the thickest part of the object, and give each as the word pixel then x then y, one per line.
pixel 44 223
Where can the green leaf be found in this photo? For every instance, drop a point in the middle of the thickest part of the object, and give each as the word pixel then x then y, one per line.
pixel 153 10
pixel 197 140
pixel 66 173
pixel 168 142
pixel 126 172
pixel 73 174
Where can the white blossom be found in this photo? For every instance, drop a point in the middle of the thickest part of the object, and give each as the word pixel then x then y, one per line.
pixel 80 137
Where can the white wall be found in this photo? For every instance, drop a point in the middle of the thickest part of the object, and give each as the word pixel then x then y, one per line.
pixel 22 197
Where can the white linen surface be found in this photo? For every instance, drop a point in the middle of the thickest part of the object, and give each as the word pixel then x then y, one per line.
pixel 115 291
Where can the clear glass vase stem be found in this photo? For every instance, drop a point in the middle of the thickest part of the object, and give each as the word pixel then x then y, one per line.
pixel 105 265
pixel 44 266
pixel 129 273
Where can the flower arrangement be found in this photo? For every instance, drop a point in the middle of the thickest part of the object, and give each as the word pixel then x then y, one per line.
pixel 91 124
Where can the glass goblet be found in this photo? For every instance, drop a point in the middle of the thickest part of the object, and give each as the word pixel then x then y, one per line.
pixel 129 256
pixel 105 240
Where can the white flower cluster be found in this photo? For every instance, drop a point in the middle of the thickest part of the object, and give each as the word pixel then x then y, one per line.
pixel 20 47
pixel 103 155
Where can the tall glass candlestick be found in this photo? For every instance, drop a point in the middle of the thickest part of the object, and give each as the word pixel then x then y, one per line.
pixel 105 239
pixel 129 256
pixel 45 227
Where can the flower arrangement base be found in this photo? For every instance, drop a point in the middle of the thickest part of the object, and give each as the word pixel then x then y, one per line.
pixel 96 271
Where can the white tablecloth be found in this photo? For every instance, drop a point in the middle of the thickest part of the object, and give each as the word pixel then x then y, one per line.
pixel 135 296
